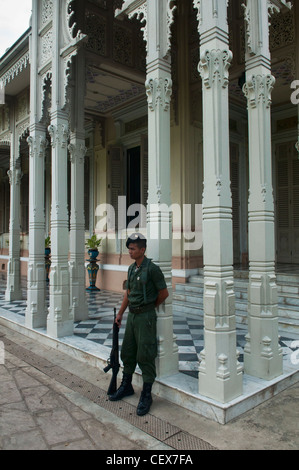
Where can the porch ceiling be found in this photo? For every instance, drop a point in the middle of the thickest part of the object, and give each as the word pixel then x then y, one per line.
pixel 106 90
pixel 18 83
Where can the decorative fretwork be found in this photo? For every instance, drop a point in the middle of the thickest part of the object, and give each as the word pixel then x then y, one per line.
pixel 96 29
pixel 46 11
pixel 141 51
pixel 281 26
pixel 282 30
pixel 23 128
pixel 74 20
pixel 141 14
pixel 122 97
pixel 122 45
pixel 4 118
pixel 17 68
pixel 46 95
pixel 46 47
pixel 100 3
pixel 22 109
pixel 117 4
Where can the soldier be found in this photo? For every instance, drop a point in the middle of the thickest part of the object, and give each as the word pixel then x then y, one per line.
pixel 146 290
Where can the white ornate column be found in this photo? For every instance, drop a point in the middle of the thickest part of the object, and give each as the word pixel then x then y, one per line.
pixel 78 300
pixel 158 16
pixel 36 314
pixel 60 318
pixel 77 152
pixel 262 353
pixel 13 288
pixel 220 374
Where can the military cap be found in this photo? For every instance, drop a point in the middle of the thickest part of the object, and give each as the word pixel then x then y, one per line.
pixel 136 237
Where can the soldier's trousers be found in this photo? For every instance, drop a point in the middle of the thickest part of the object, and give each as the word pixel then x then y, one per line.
pixel 140 344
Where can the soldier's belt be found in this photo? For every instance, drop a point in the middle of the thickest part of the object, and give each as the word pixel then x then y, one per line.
pixel 143 308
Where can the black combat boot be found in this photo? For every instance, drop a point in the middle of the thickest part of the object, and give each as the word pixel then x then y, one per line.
pixel 145 400
pixel 125 389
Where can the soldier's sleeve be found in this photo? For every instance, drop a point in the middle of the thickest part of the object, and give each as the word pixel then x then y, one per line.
pixel 129 275
pixel 158 277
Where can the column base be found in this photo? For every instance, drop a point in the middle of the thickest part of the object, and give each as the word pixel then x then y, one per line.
pixel 79 304
pixel 78 300
pixel 167 362
pixel 36 312
pixel 262 352
pixel 10 295
pixel 263 359
pixel 220 390
pixel 220 374
pixel 34 318
pixel 266 369
pixel 59 329
pixel 13 286
pixel 13 293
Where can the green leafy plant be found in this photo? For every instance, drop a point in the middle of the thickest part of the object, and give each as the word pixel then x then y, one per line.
pixel 47 242
pixel 93 242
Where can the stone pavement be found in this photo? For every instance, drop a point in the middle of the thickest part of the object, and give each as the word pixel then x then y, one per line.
pixel 49 400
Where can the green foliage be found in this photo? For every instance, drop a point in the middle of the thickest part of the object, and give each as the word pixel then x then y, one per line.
pixel 93 242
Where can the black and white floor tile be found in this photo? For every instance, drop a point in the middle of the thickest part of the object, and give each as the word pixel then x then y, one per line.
pixel 98 328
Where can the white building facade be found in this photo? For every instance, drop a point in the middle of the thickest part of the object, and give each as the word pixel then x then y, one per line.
pixel 156 104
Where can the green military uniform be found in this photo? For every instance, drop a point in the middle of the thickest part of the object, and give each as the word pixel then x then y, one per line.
pixel 140 340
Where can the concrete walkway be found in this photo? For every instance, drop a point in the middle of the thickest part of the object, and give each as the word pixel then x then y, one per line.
pixel 49 400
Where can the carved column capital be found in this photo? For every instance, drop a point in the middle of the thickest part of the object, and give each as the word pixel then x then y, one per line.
pixel 213 67
pixel 59 134
pixel 140 12
pixel 15 176
pixel 37 145
pixel 159 92
pixel 258 90
pixel 77 152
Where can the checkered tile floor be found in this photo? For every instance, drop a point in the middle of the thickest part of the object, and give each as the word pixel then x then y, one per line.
pixel 98 328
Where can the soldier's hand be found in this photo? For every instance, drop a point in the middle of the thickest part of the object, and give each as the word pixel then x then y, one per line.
pixel 118 319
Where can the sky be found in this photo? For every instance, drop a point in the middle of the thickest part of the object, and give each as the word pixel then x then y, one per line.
pixel 14 20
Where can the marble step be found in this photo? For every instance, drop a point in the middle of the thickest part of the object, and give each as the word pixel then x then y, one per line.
pixel 188 300
pixel 288 292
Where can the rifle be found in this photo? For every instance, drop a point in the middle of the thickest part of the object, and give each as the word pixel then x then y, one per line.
pixel 113 360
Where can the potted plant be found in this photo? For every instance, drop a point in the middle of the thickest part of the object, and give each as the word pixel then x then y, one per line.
pixel 93 244
pixel 47 246
pixel 47 257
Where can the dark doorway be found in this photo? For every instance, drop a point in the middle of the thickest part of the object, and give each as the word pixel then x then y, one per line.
pixel 133 178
